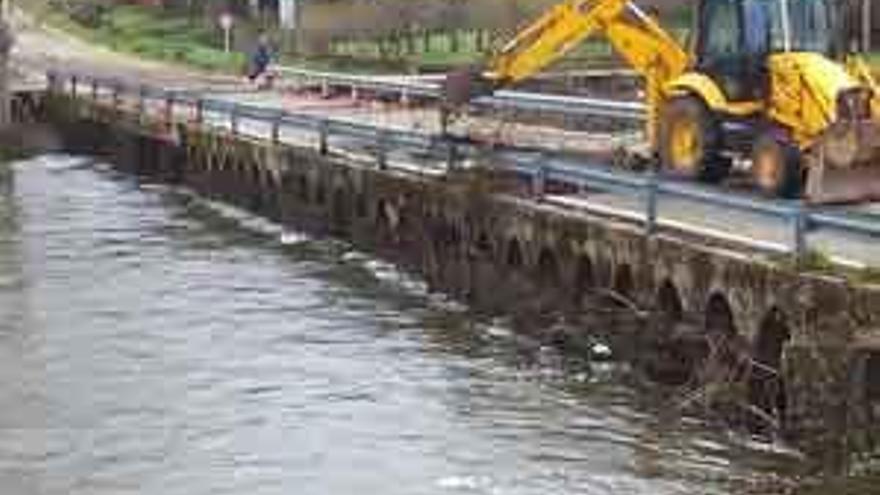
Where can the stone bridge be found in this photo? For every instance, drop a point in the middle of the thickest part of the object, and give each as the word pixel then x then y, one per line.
pixel 475 235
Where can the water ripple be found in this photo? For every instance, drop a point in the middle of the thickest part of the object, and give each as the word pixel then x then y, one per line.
pixel 166 344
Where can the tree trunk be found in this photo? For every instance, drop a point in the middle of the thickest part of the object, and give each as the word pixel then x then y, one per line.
pixel 6 42
pixel 866 25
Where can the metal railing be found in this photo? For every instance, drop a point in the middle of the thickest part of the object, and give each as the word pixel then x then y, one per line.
pixel 449 152
pixel 407 87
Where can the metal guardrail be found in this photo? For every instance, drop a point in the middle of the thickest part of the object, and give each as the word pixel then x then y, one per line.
pixel 405 87
pixel 539 168
pixel 399 86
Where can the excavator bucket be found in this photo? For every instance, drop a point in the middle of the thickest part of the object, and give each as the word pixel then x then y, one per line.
pixel 463 85
pixel 848 167
pixel 846 186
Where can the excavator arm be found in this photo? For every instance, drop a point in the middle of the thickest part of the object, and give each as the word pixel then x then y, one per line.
pixel 636 37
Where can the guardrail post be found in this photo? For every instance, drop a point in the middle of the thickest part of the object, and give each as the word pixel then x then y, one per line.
pixel 451 155
pixel 382 149
pixel 51 82
pixel 117 96
pixel 73 84
pixel 142 102
pixel 169 110
pixel 444 119
pixel 539 180
pixel 651 203
pixel 276 127
pixel 200 111
pixel 801 220
pixel 323 133
pixel 233 119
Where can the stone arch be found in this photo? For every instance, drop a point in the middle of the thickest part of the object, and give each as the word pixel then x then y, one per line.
pixel 253 185
pixel 320 191
pixel 381 219
pixel 339 207
pixel 585 274
pixel 386 219
pixel 273 182
pixel 547 269
pixel 669 303
pixel 271 187
pixel 483 244
pixel 256 176
pixel 623 282
pixel 766 384
pixel 867 386
pixel 603 270
pixel 718 316
pixel 437 228
pixel 872 376
pixel 302 188
pixel 513 255
pixel 360 204
pixel 454 235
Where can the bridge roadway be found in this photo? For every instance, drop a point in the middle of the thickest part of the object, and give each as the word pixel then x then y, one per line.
pixel 755 231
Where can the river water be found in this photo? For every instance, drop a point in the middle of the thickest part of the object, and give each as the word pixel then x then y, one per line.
pixel 155 343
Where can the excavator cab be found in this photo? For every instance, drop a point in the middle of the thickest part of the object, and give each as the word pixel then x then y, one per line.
pixel 732 47
pixel 736 37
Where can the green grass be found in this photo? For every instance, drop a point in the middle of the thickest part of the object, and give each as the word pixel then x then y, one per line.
pixel 440 55
pixel 141 31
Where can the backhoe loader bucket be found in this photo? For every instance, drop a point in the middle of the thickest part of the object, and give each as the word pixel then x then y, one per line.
pixel 847 169
pixel 463 85
pixel 846 186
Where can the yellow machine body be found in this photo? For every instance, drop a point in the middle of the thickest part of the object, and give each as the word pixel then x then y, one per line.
pixel 804 90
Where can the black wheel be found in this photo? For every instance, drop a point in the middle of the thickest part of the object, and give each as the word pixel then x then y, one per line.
pixel 690 141
pixel 776 166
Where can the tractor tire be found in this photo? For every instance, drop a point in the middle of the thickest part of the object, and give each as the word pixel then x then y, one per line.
pixel 776 166
pixel 690 141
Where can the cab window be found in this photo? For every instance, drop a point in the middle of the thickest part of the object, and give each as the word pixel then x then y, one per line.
pixel 722 30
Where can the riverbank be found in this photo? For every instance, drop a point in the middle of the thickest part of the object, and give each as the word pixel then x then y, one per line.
pixel 144 32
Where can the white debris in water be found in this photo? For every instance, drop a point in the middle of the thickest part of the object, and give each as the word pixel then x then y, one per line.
pixel 600 351
pixel 467 482
pixel 292 237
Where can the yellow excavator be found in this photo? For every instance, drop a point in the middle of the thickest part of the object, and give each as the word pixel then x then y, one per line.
pixel 764 83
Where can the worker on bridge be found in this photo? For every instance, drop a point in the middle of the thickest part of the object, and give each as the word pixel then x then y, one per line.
pixel 260 63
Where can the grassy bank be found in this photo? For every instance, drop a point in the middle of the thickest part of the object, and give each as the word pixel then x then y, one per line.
pixel 148 34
